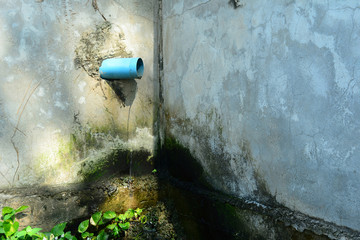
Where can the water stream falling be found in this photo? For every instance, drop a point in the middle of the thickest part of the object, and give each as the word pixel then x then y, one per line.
pixel 130 154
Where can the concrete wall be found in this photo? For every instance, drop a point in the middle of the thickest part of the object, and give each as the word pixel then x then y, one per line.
pixel 265 94
pixel 57 117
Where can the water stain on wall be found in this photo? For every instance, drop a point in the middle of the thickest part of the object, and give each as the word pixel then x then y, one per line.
pixel 106 41
pixel 95 46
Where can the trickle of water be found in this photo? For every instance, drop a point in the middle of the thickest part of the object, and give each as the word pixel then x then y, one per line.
pixel 130 155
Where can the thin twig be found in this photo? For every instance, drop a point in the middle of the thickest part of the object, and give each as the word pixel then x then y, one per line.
pixel 27 100
pixel 17 159
pixel 96 8
pixel 17 129
pixel 20 131
pixel 102 89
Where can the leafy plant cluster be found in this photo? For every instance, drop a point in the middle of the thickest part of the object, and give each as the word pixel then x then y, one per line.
pixel 100 226
pixel 109 225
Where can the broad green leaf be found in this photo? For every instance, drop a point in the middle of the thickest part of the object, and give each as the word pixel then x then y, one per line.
pixel 116 231
pixel 130 213
pixel 34 231
pixel 95 218
pixel 124 226
pixel 20 234
pixel 103 221
pixel 109 215
pixel 86 234
pixel 9 216
pixel 122 217
pixel 138 211
pixel 10 228
pixel 41 236
pixel 22 208
pixel 102 236
pixel 15 227
pixel 7 210
pixel 58 229
pixel 69 236
pixel 143 219
pixel 111 226
pixel 83 226
pixel 7 226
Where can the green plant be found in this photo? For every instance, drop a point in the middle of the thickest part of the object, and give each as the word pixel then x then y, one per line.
pixel 9 228
pixel 109 225
pixel 100 226
pixel 58 233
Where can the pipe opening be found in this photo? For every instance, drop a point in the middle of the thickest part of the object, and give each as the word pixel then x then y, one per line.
pixel 140 67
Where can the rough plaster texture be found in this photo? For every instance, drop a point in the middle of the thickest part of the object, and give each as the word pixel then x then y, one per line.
pixel 55 111
pixel 265 94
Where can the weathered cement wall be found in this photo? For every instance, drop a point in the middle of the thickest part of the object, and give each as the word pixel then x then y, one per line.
pixel 57 117
pixel 265 94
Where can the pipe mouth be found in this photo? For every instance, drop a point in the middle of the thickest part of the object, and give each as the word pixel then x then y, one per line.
pixel 139 68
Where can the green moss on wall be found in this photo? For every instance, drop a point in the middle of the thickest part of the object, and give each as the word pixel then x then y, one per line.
pixel 89 154
pixel 116 161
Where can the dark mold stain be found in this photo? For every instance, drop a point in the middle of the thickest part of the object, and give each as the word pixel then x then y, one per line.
pixel 237 3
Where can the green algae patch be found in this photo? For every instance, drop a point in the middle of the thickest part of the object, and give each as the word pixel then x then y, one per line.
pixel 56 163
pixel 105 163
pixel 88 154
pixel 116 161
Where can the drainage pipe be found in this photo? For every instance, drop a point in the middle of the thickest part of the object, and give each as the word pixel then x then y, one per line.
pixel 121 68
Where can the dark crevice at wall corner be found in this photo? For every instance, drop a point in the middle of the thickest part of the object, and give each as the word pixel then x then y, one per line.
pixel 159 123
pixel 237 3
pixel 160 50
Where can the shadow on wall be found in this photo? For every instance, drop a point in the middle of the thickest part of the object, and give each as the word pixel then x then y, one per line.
pixel 125 90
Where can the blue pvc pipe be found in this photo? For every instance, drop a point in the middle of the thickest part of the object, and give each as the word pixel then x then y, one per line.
pixel 121 68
